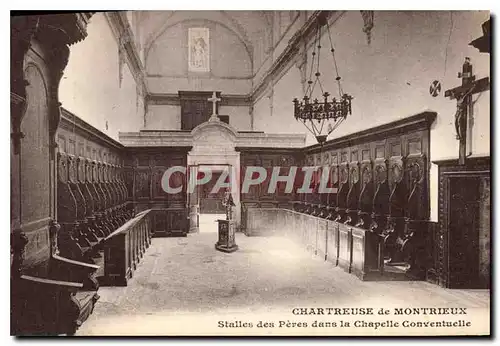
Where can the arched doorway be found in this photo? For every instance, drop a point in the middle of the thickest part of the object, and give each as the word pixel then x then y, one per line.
pixel 213 149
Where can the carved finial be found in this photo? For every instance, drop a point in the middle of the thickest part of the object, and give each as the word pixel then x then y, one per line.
pixel 18 241
pixel 54 228
pixel 368 24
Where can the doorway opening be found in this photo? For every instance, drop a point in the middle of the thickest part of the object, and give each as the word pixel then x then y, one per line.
pixel 210 196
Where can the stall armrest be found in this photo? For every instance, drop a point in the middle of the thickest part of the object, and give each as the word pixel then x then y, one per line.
pixel 72 264
pixel 73 287
pixel 69 270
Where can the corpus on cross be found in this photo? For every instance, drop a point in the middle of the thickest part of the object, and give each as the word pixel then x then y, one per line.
pixel 463 95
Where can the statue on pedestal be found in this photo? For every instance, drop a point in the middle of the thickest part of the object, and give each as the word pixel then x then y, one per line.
pixel 226 242
pixel 228 203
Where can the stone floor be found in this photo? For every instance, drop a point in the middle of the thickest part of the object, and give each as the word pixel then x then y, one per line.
pixel 184 286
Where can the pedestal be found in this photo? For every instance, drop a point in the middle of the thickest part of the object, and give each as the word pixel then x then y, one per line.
pixel 226 242
pixel 194 222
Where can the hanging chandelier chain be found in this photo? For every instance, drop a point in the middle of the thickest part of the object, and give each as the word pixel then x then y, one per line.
pixel 310 88
pixel 341 92
pixel 328 110
pixel 319 51
pixel 318 44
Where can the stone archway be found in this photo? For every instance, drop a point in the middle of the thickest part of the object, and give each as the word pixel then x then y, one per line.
pixel 214 144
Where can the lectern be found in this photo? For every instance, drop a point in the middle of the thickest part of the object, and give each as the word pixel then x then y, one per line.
pixel 226 241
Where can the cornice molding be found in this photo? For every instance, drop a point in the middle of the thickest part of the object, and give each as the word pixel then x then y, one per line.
pixel 416 122
pixel 471 162
pixel 175 100
pixel 242 140
pixel 73 123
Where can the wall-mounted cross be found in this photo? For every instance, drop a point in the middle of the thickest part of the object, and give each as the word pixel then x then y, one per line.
pixel 214 99
pixel 463 95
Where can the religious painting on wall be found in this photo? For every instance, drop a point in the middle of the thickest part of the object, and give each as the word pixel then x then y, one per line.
pixel 198 50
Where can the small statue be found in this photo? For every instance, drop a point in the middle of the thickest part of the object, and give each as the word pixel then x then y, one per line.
pixel 461 115
pixel 460 118
pixel 228 203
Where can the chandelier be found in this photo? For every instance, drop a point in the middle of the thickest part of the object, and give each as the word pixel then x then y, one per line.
pixel 322 117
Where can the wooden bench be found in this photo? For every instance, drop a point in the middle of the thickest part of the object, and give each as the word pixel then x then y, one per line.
pixel 124 248
pixel 353 249
pixel 50 294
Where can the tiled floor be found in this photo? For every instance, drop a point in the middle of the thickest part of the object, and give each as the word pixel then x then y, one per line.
pixel 185 286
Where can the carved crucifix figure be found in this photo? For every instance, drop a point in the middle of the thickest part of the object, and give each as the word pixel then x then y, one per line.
pixel 214 99
pixel 463 95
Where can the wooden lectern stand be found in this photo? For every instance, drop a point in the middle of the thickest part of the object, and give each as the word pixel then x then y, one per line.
pixel 226 242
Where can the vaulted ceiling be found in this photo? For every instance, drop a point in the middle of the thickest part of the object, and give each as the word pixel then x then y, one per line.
pixel 248 26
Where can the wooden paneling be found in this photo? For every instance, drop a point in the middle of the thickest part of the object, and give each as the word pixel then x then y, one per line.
pixel 144 170
pixel 125 247
pixel 353 249
pixel 50 294
pixel 461 252
pixel 195 108
pixel 258 195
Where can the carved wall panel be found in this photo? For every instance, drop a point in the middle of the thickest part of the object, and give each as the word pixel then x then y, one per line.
pixel 143 171
pixel 142 185
pixel 254 192
pixel 157 175
pixel 34 152
pixel 464 204
pixel 268 159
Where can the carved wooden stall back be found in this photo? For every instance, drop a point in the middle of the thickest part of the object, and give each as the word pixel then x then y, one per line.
pixel 354 188
pixel 323 183
pixel 93 181
pixel 79 222
pixel 72 242
pixel 380 210
pixel 334 182
pixel 92 199
pixel 309 198
pixel 340 210
pixel 366 188
pixel 417 207
pixel 397 202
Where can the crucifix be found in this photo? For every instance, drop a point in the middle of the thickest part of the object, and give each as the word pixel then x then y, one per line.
pixel 214 99
pixel 463 95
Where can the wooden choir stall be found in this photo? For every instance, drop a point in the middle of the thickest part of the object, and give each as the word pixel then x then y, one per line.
pixel 375 225
pixel 50 293
pixel 74 221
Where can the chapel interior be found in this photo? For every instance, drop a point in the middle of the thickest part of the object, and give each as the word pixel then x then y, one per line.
pixel 104 103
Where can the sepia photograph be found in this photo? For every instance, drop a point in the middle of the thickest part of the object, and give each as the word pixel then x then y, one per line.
pixel 250 173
